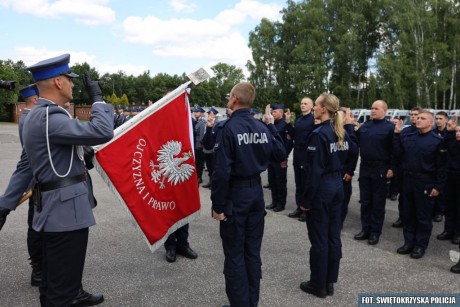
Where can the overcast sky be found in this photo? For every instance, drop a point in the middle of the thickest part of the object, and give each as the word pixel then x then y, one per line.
pixel 161 36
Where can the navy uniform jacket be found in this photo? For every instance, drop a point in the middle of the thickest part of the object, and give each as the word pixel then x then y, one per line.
pixel 423 154
pixel 376 140
pixel 68 208
pixel 243 148
pixel 304 125
pixel 285 130
pixel 453 153
pixel 22 176
pixel 326 158
pixel 199 130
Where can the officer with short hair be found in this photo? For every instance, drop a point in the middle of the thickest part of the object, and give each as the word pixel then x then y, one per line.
pixel 303 127
pixel 376 149
pixel 63 196
pixel 277 171
pixel 243 148
pixel 19 182
pixel 209 153
pixel 423 160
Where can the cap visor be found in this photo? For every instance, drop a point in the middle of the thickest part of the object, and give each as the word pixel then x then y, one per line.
pixel 72 75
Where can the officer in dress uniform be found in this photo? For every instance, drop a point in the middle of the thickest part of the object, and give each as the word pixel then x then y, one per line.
pixel 423 160
pixel 277 171
pixel 440 129
pixel 19 182
pixel 376 149
pixel 303 127
pixel 63 196
pixel 328 150
pixel 243 148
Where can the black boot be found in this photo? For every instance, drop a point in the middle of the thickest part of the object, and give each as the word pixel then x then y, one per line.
pixel 36 276
pixel 87 299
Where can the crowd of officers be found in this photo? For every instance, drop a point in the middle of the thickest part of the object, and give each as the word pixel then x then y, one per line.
pixel 419 162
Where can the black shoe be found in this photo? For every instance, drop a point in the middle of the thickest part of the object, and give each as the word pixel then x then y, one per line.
pixel 271 206
pixel 417 253
pixel 267 186
pixel 187 253
pixel 171 255
pixel 306 287
pixel 303 217
pixel 36 276
pixel 362 236
pixel 445 235
pixel 405 249
pixel 207 185
pixel 373 239
pixel 87 299
pixel 330 289
pixel 278 209
pixel 296 213
pixel 437 218
pixel 200 180
pixel 456 268
pixel 398 223
pixel 394 196
pixel 456 240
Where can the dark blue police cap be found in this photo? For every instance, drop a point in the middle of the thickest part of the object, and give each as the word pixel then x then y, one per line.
pixel 120 107
pixel 52 68
pixel 199 109
pixel 277 106
pixel 213 110
pixel 28 91
pixel 254 111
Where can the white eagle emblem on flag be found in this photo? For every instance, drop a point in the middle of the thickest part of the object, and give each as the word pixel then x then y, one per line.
pixel 170 166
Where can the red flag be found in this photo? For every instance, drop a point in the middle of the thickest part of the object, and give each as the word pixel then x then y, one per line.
pixel 150 166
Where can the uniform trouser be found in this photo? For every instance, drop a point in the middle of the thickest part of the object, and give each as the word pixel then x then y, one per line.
pixel 241 241
pixel 324 225
pixel 417 211
pixel 209 159
pixel 452 221
pixel 34 239
pixel 178 239
pixel 277 179
pixel 63 262
pixel 347 191
pixel 199 162
pixel 299 175
pixel 373 194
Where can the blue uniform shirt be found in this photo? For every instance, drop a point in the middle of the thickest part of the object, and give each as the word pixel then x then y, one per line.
pixel 285 130
pixel 376 140
pixel 243 148
pixel 423 153
pixel 326 158
pixel 453 152
pixel 304 125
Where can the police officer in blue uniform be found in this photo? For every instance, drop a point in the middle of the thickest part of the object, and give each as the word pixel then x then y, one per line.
pixel 63 196
pixel 398 172
pixel 328 149
pixel 19 182
pixel 120 118
pixel 243 147
pixel 209 152
pixel 423 159
pixel 199 127
pixel 303 127
pixel 376 150
pixel 277 171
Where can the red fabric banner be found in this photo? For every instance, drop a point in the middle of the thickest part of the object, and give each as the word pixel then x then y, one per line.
pixel 151 166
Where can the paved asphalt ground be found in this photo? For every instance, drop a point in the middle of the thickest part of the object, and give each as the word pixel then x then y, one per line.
pixel 120 265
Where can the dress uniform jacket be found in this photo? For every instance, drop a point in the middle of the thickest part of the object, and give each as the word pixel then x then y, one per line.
pixel 22 176
pixel 50 136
